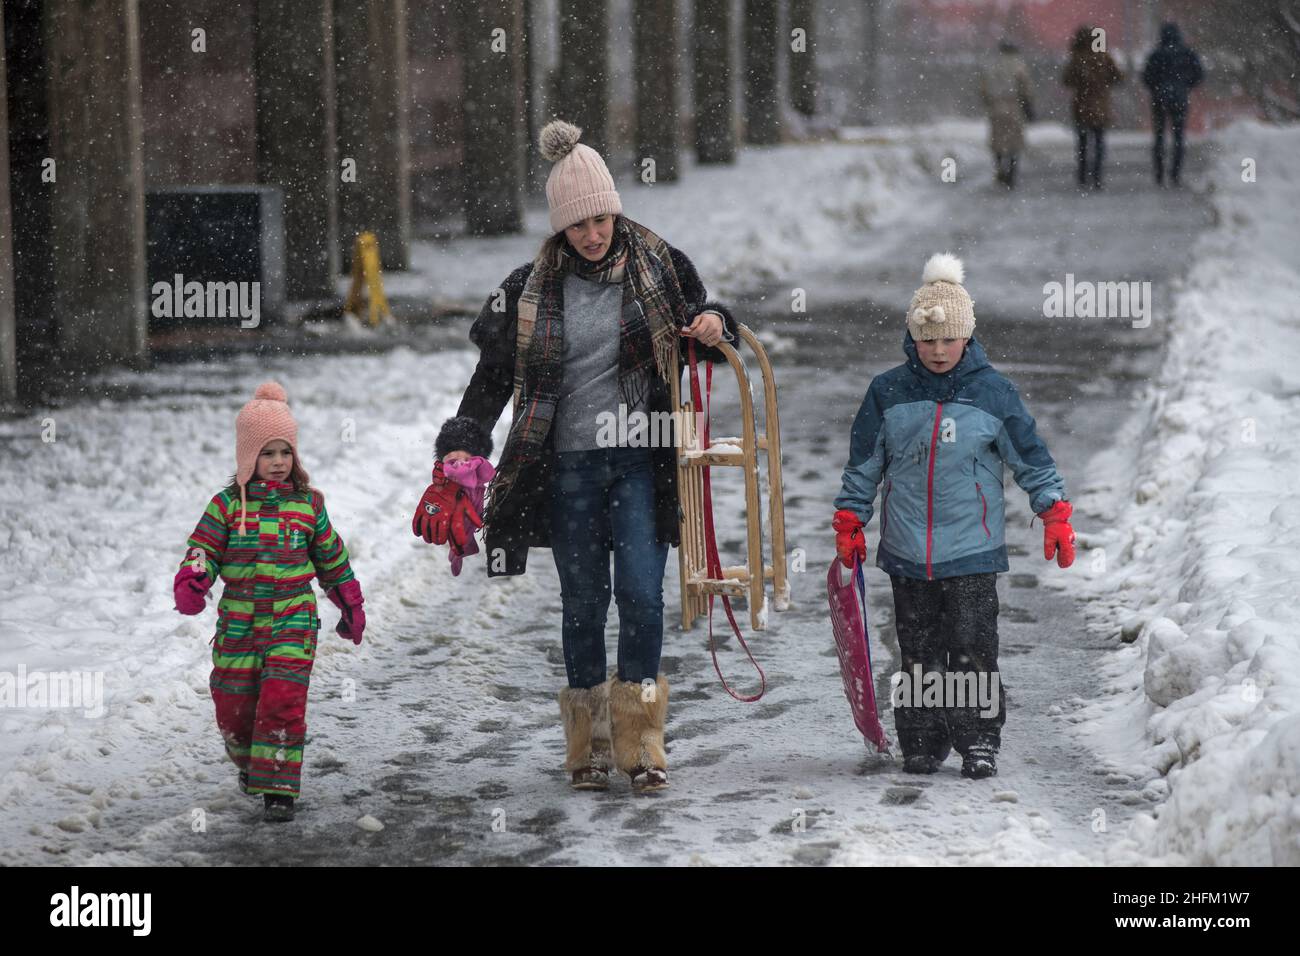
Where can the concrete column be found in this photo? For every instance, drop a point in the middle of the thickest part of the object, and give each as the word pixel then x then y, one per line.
pixel 803 65
pixel 294 66
pixel 492 83
pixel 655 73
pixel 583 94
pixel 373 95
pixel 97 199
pixel 715 129
pixel 8 336
pixel 762 118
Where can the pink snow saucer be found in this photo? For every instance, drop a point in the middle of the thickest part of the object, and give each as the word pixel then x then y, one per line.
pixel 849 617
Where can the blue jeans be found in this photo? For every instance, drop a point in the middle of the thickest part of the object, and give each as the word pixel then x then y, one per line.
pixel 599 495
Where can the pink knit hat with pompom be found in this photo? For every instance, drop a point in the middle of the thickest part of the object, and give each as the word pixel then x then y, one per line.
pixel 264 419
pixel 579 184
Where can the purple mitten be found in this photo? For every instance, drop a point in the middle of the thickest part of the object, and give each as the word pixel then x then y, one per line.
pixel 347 598
pixel 472 474
pixel 190 588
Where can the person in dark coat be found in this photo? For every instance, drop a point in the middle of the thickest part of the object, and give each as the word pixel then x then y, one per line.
pixel 1171 72
pixel 585 334
pixel 1090 73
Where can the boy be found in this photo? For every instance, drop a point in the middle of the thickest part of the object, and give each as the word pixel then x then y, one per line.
pixel 936 432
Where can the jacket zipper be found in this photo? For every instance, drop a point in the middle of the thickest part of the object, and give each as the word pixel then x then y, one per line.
pixel 929 496
pixel 984 516
pixel 884 510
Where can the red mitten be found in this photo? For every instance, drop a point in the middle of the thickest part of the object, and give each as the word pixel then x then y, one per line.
pixel 190 588
pixel 348 599
pixel 464 520
pixel 1058 536
pixel 432 520
pixel 849 539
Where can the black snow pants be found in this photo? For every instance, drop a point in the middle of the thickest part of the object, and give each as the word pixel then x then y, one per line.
pixel 1175 114
pixel 948 627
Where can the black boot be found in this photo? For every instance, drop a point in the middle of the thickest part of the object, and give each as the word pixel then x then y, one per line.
pixel 979 762
pixel 920 763
pixel 243 781
pixel 277 808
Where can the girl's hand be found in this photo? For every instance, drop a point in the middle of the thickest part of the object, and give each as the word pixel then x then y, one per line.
pixel 707 328
pixel 458 455
pixel 190 588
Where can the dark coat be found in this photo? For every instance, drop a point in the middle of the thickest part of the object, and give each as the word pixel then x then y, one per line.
pixel 524 521
pixel 1091 74
pixel 1172 69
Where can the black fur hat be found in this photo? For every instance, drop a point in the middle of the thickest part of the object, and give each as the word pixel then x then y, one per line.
pixel 462 433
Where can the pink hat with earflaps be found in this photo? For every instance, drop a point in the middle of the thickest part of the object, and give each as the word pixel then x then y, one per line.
pixel 264 419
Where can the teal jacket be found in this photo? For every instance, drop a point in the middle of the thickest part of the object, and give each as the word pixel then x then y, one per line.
pixel 938 445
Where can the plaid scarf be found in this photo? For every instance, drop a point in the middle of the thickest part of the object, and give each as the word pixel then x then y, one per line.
pixel 654 309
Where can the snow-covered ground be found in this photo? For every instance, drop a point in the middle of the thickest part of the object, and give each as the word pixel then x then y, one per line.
pixel 1199 570
pixel 447 712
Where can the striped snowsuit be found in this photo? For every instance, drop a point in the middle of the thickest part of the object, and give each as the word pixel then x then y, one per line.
pixel 267 621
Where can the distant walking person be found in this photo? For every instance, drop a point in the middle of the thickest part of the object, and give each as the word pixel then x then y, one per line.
pixel 1172 70
pixel 1090 73
pixel 1004 88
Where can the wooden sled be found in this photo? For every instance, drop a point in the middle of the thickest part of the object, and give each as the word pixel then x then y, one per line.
pixel 732 452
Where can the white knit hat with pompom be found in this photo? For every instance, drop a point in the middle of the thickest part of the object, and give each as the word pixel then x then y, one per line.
pixel 580 184
pixel 941 308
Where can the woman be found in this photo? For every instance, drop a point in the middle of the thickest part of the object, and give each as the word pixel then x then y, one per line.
pixel 1004 88
pixel 1090 73
pixel 592 324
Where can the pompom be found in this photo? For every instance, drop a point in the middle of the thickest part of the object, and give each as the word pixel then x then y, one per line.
pixel 271 391
pixel 943 267
pixel 557 139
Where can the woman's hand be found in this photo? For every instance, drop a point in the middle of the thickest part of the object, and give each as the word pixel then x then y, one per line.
pixel 707 328
pixel 458 455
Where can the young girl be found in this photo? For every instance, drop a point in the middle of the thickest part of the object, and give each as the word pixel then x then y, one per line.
pixel 936 432
pixel 266 535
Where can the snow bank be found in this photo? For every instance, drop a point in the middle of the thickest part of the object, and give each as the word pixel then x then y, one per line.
pixel 1199 568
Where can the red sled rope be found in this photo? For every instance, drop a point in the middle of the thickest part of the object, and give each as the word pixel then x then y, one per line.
pixel 713 562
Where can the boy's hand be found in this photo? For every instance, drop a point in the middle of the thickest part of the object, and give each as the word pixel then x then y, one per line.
pixel 849 539
pixel 1058 536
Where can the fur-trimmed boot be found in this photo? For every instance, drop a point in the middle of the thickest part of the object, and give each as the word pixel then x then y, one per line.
pixel 585 712
pixel 637 717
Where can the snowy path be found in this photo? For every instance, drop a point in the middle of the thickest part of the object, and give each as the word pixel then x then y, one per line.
pixel 446 722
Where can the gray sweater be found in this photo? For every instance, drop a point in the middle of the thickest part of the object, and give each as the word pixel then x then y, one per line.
pixel 590 386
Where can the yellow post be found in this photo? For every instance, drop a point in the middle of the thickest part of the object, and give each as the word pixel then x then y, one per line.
pixel 366 270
